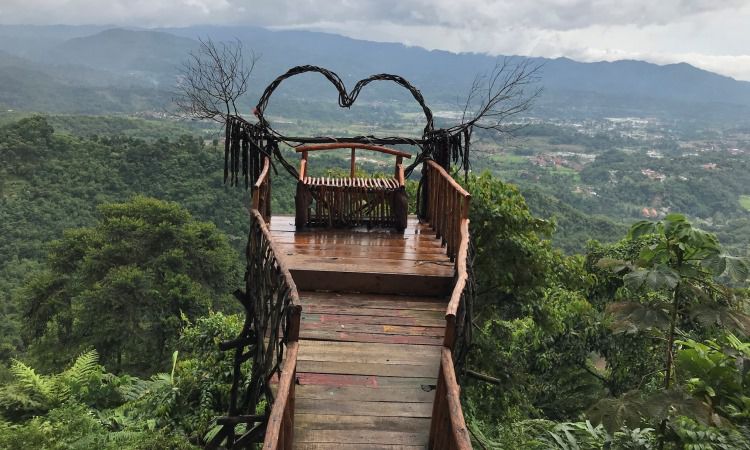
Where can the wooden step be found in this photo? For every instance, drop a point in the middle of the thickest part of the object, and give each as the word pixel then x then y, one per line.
pixel 314 279
pixel 368 261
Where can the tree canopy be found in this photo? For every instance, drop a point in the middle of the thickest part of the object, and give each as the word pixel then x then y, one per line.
pixel 121 286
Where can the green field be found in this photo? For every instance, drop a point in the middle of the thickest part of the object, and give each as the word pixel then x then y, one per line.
pixel 745 201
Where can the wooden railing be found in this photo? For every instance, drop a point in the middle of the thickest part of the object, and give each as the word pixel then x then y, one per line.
pixel 262 191
pixel 448 213
pixel 447 427
pixel 447 205
pixel 271 328
pixel 280 429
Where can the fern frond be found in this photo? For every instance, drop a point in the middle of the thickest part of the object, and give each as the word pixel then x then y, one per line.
pixel 134 390
pixel 83 368
pixel 11 397
pixel 36 386
pixel 125 437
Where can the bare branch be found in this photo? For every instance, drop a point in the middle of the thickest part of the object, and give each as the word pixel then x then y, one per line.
pixel 508 90
pixel 212 80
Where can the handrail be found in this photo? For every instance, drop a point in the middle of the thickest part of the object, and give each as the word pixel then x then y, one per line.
pixel 462 278
pixel 447 205
pixel 261 200
pixel 448 213
pixel 280 426
pixel 352 145
pixel 271 328
pixel 454 184
pixel 280 429
pixel 293 293
pixel 448 427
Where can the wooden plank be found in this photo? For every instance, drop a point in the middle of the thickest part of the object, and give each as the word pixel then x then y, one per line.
pixel 360 437
pixel 328 335
pixel 339 422
pixel 393 246
pixel 391 283
pixel 375 300
pixel 368 348
pixel 346 319
pixel 337 446
pixel 313 308
pixel 359 251
pixel 336 355
pixel 329 379
pixel 410 230
pixel 359 393
pixel 385 370
pixel 287 221
pixel 404 330
pixel 358 408
pixel 365 265
pixel 416 241
pixel 412 227
pixel 414 236
pixel 427 244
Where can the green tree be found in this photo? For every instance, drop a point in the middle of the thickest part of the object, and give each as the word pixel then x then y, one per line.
pixel 671 283
pixel 121 286
pixel 677 275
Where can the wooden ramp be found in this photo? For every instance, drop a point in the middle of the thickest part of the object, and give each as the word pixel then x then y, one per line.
pixel 368 359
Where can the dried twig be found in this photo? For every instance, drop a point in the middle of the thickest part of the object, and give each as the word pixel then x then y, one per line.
pixel 508 90
pixel 212 80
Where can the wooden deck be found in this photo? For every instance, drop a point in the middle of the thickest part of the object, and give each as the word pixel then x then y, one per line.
pixel 368 359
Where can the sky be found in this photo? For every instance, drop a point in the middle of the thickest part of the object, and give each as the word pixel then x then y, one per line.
pixel 710 34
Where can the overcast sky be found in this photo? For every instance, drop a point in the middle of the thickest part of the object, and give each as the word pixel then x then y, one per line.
pixel 711 34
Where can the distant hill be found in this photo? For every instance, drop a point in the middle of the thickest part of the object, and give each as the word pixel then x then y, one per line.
pixel 30 86
pixel 153 56
pixel 135 59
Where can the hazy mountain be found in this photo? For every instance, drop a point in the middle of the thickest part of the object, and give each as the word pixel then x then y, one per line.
pixel 152 55
pixel 33 86
pixel 133 59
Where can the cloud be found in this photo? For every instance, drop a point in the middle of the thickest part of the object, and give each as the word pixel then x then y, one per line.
pixel 707 33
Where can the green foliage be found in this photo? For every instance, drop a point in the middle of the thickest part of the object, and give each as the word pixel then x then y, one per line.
pixel 548 435
pixel 122 286
pixel 534 320
pixel 716 374
pixel 85 407
pixel 31 393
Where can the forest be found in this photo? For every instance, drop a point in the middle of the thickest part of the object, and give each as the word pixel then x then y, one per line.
pixel 120 251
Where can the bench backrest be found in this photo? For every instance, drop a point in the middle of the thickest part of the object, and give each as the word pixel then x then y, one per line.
pixel 399 171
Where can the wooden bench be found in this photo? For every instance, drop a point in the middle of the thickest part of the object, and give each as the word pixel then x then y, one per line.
pixel 351 201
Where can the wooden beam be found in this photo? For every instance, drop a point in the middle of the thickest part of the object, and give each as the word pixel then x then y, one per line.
pixel 337 145
pixel 444 174
pixel 462 275
pixel 277 434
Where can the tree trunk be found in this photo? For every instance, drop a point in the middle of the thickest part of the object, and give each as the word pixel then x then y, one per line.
pixel 670 339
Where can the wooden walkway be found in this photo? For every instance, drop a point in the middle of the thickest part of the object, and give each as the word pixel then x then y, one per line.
pixel 368 358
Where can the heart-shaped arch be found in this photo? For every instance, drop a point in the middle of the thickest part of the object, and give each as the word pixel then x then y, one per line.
pixel 346 99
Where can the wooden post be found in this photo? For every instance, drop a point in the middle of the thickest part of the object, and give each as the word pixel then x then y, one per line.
pixel 303 167
pixel 353 170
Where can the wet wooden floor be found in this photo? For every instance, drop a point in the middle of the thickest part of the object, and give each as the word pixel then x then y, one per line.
pixel 368 359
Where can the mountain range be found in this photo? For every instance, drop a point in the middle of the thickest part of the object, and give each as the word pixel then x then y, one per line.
pixel 100 69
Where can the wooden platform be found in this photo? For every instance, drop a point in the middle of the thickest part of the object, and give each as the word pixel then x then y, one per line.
pixel 361 260
pixel 368 359
pixel 367 369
